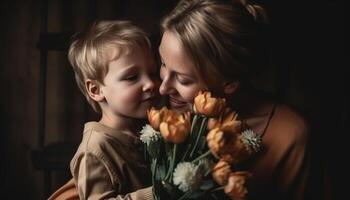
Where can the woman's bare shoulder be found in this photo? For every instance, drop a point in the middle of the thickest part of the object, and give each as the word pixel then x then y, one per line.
pixel 289 116
pixel 288 123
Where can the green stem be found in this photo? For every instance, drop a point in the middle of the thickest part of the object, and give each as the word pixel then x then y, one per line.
pixel 172 163
pixel 193 126
pixel 153 169
pixel 174 160
pixel 187 151
pixel 201 156
pixel 194 121
pixel 199 135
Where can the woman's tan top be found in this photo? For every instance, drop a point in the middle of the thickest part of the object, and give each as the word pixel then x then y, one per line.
pixel 109 164
pixel 280 170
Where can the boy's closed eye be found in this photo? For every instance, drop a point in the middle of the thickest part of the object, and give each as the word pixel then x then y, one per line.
pixel 130 77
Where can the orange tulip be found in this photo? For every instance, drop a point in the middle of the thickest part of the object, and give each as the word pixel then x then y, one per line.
pixel 228 122
pixel 209 106
pixel 235 187
pixel 175 127
pixel 228 145
pixel 219 141
pixel 221 172
pixel 237 150
pixel 215 139
pixel 154 117
pixel 169 115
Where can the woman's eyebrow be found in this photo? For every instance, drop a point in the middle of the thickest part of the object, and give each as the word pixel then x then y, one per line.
pixel 183 74
pixel 177 72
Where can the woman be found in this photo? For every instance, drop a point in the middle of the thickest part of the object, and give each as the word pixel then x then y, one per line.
pixel 214 45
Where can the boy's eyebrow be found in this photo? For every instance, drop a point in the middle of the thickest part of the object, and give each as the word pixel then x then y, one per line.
pixel 128 68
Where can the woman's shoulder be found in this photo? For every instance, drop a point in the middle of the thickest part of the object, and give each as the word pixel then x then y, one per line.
pixel 290 117
pixel 287 122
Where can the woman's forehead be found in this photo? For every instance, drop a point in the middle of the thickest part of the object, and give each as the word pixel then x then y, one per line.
pixel 174 56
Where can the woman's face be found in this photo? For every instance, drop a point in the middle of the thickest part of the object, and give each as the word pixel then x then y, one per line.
pixel 180 80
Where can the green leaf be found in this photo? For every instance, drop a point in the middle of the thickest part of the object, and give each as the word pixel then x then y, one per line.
pixel 203 144
pixel 161 172
pixel 152 149
pixel 184 196
pixel 207 184
pixel 153 166
pixel 196 194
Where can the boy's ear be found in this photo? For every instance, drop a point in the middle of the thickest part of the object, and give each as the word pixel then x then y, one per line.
pixel 94 90
pixel 231 87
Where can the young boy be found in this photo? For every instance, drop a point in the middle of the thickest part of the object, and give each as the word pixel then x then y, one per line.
pixel 115 70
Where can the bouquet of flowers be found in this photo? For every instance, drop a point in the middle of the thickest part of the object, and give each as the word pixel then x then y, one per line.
pixel 194 155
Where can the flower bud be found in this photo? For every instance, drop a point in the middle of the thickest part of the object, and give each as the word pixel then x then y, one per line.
pixel 221 172
pixel 235 187
pixel 209 106
pixel 216 141
pixel 154 117
pixel 175 127
pixel 228 122
pixel 220 142
pixel 241 148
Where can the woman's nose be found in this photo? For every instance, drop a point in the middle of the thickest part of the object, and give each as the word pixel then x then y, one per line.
pixel 166 86
pixel 166 82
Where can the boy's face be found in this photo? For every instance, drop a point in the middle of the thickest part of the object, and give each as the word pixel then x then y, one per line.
pixel 131 84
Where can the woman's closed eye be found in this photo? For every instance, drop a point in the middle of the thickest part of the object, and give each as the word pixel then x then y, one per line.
pixel 183 80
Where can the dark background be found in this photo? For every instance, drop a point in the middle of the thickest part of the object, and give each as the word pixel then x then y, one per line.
pixel 306 42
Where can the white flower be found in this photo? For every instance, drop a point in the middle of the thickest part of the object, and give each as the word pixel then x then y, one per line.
pixel 187 176
pixel 251 140
pixel 148 134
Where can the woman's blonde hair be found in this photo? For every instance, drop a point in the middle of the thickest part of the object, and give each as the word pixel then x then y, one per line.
pixel 90 52
pixel 219 36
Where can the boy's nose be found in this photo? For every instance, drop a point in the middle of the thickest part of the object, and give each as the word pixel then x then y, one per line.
pixel 150 85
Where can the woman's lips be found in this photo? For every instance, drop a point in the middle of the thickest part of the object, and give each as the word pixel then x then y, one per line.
pixel 175 103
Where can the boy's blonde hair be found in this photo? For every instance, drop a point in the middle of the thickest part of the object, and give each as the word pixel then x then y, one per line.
pixel 90 53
